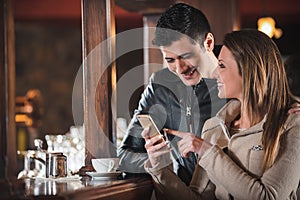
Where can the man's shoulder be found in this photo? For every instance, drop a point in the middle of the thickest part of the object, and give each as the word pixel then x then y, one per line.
pixel 167 79
pixel 165 76
pixel 164 85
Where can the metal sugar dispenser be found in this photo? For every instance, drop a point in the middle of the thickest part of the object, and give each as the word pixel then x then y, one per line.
pixel 56 165
pixel 56 162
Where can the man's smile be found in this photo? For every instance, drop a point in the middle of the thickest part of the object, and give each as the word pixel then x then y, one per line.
pixel 188 74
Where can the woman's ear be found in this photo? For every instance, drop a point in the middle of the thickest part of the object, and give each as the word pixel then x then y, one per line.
pixel 209 42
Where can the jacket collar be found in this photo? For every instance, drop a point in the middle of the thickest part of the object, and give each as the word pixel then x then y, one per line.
pixel 230 111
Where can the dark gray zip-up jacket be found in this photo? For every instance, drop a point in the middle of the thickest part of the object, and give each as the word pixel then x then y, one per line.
pixel 172 105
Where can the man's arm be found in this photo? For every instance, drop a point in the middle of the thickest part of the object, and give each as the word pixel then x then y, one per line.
pixel 132 152
pixel 155 101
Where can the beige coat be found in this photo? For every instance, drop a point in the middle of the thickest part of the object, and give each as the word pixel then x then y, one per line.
pixel 231 169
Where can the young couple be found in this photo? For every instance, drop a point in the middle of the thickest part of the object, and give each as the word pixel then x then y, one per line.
pixel 250 149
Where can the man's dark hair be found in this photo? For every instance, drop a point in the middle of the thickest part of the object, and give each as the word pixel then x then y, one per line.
pixel 181 19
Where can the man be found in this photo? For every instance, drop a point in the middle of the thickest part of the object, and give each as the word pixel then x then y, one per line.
pixel 181 97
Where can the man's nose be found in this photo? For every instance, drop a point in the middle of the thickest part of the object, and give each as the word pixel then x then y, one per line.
pixel 181 65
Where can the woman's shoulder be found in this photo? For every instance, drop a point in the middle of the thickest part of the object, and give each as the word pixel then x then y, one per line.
pixel 293 122
pixel 293 119
pixel 211 123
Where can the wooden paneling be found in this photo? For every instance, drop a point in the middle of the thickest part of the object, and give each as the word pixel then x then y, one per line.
pixel 8 151
pixel 284 11
pixel 222 18
pixel 47 9
pixel 99 77
pixel 145 6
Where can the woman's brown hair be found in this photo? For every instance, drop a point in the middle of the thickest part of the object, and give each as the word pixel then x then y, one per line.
pixel 265 86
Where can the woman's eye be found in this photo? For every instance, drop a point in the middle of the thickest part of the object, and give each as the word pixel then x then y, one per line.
pixel 221 65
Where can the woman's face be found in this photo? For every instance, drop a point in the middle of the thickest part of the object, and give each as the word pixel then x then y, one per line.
pixel 227 74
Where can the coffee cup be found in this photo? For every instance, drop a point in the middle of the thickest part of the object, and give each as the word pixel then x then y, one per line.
pixel 104 165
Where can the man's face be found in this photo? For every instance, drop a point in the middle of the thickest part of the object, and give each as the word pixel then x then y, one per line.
pixel 185 59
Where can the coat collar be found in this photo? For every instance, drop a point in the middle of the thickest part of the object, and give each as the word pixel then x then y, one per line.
pixel 230 111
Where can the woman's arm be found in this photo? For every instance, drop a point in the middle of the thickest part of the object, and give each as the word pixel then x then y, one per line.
pixel 278 182
pixel 159 166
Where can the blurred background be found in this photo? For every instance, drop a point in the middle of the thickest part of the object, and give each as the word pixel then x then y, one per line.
pixel 48 48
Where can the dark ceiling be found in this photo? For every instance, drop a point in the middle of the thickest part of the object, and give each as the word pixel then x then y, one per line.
pixel 285 12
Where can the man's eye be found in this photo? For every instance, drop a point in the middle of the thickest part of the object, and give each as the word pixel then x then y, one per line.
pixel 169 60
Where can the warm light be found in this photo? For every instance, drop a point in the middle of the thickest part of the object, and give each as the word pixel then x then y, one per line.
pixel 23 118
pixel 267 25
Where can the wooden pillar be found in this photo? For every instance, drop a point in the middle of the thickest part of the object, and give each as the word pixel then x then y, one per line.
pixel 153 59
pixel 8 150
pixel 99 77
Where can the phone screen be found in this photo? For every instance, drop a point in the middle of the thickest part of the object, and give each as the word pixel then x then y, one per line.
pixel 146 121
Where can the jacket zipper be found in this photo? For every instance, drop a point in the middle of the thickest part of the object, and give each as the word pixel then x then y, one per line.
pixel 189 111
pixel 189 115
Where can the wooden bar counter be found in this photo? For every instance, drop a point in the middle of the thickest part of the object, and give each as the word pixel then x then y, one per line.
pixel 77 188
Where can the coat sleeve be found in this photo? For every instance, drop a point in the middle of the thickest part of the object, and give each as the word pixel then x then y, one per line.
pixel 173 188
pixel 278 182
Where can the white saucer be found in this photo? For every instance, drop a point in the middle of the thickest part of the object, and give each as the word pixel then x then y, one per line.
pixel 104 176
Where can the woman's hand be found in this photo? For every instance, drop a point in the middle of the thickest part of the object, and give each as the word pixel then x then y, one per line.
pixel 189 143
pixel 295 108
pixel 156 148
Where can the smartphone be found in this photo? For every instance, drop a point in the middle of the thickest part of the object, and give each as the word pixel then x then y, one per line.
pixel 146 121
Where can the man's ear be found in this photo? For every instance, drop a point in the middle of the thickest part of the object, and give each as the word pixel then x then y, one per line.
pixel 209 42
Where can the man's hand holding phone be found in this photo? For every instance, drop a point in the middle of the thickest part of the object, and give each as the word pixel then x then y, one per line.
pixel 147 123
pixel 155 143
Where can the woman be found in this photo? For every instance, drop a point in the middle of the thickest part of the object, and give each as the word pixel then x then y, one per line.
pixel 250 150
